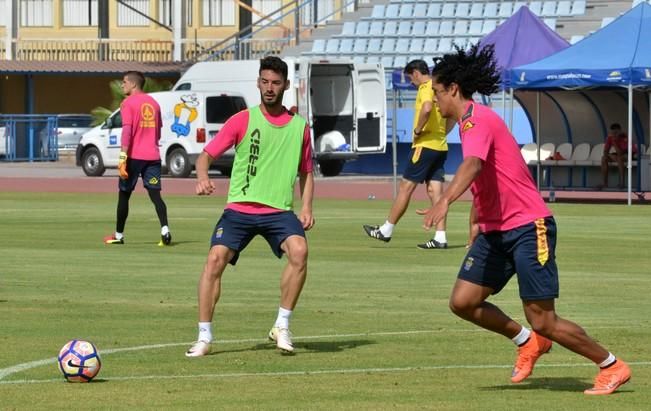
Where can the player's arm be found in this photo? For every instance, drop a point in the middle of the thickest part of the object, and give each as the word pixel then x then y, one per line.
pixel 204 185
pixel 125 140
pixel 423 116
pixel 466 173
pixel 473 229
pixel 306 180
pixel 230 134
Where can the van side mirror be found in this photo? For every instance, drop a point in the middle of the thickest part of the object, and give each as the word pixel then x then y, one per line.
pixel 108 123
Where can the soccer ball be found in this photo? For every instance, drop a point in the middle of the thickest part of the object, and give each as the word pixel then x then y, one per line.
pixel 79 361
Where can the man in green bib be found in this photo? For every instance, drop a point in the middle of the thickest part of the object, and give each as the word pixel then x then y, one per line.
pixel 272 145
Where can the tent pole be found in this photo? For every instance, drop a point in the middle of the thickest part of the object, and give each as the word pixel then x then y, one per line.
pixel 512 97
pixel 504 105
pixel 394 144
pixel 538 139
pixel 630 140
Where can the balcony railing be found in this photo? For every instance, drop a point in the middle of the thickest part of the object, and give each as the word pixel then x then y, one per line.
pixel 132 50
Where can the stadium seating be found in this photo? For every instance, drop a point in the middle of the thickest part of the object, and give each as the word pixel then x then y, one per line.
pixel 409 29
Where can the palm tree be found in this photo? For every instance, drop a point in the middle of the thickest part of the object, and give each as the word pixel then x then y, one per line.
pixel 100 114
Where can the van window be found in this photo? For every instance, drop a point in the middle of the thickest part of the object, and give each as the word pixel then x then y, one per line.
pixel 184 86
pixel 220 108
pixel 116 120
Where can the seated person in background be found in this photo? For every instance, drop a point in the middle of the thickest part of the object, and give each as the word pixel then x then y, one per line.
pixel 618 141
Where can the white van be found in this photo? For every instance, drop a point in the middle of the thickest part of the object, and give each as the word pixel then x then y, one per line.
pixel 343 101
pixel 190 120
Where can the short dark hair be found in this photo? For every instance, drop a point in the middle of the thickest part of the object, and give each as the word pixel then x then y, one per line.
pixel 416 65
pixel 473 70
pixel 615 126
pixel 274 64
pixel 136 77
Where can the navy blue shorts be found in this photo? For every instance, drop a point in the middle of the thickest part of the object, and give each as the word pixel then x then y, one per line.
pixel 528 250
pixel 148 170
pixel 425 165
pixel 235 230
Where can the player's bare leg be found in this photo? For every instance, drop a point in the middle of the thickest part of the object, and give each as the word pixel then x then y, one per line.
pixel 291 284
pixel 208 292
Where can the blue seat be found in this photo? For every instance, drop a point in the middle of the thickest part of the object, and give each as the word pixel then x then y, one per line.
pixel 461 28
pixel 434 10
pixel 391 28
pixel 506 9
pixel 432 28
pixel 348 28
pixel 332 46
pixel 388 45
pixel 477 10
pixel 448 10
pixel 578 7
pixel 445 28
pixel 548 9
pixel 378 11
pixel 402 45
pixel 418 29
pixel 404 28
pixel 490 10
pixel 406 11
pixel 376 28
pixel 360 45
pixel 318 46
pixel 392 11
pixel 462 10
pixel 362 28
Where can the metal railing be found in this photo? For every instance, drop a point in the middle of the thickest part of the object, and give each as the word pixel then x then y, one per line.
pixel 267 35
pixel 28 137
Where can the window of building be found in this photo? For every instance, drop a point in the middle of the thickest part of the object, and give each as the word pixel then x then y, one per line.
pixel 218 12
pixel 266 7
pixel 324 8
pixel 35 13
pixel 166 10
pixel 129 18
pixel 79 12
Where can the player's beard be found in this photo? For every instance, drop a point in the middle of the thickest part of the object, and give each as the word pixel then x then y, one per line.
pixel 271 100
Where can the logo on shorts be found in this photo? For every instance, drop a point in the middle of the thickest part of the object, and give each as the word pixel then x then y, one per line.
pixel 153 181
pixel 468 264
pixel 219 233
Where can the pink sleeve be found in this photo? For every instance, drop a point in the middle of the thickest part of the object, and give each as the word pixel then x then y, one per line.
pixel 230 134
pixel 306 165
pixel 477 141
pixel 127 124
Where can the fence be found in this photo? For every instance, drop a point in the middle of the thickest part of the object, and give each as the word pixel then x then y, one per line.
pixel 28 138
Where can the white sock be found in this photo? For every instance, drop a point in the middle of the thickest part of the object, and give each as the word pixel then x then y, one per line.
pixel 205 331
pixel 164 230
pixel 387 229
pixel 119 236
pixel 440 237
pixel 522 336
pixel 282 321
pixel 608 361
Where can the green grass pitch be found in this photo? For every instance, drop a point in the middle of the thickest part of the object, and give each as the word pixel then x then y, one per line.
pixel 372 328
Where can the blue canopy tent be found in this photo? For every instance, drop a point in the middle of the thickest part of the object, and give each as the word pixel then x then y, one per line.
pixel 614 57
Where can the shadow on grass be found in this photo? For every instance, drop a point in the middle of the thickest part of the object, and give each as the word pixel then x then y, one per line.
pixel 568 384
pixel 300 347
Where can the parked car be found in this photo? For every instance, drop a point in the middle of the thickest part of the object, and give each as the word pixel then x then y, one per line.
pixel 70 128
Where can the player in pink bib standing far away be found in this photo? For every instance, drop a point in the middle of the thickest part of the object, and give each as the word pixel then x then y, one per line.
pixel 139 155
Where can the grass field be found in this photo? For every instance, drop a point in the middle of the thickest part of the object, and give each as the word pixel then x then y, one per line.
pixel 372 329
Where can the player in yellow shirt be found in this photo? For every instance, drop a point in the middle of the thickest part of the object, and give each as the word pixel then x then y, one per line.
pixel 429 151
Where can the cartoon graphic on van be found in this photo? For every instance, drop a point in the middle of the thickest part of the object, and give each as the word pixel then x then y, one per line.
pixel 185 112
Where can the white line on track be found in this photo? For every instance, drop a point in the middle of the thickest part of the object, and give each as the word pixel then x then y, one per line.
pixel 5 372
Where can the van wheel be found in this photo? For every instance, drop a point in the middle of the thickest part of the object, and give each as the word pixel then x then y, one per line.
pixel 91 163
pixel 331 168
pixel 178 163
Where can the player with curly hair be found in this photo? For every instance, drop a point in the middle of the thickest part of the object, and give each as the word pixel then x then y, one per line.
pixel 517 232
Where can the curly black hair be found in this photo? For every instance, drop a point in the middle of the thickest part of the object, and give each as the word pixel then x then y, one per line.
pixel 274 64
pixel 473 70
